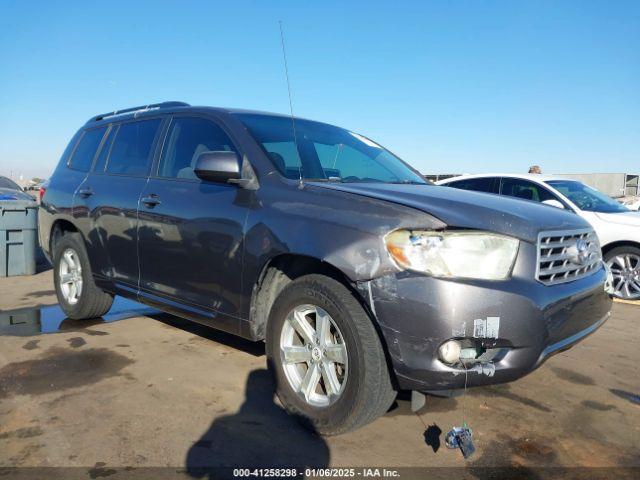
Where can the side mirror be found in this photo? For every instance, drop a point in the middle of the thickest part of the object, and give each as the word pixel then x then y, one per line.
pixel 218 167
pixel 554 203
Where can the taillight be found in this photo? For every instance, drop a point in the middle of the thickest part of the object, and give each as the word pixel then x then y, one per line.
pixel 42 192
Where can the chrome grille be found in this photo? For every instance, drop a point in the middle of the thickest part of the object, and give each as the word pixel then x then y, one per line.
pixel 567 255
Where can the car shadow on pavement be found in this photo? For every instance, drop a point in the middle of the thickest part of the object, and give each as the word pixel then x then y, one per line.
pixel 261 434
pixel 209 333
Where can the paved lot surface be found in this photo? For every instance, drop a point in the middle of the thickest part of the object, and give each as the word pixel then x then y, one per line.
pixel 153 390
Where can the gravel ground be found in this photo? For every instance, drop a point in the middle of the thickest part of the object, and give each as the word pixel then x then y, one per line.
pixel 144 389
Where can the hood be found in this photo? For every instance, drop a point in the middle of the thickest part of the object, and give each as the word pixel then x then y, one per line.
pixel 631 219
pixel 466 209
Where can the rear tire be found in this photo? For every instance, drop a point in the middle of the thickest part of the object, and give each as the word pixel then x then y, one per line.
pixel 360 389
pixel 624 263
pixel 77 293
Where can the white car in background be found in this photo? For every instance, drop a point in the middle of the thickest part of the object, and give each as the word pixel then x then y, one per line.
pixel 632 203
pixel 617 227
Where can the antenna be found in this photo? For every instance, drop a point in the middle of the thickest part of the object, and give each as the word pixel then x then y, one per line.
pixel 293 120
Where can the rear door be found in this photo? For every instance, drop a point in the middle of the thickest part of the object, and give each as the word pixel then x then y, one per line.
pixel 110 197
pixel 82 160
pixel 191 231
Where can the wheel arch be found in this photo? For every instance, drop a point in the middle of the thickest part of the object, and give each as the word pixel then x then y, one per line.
pixel 59 228
pixel 622 243
pixel 277 273
pixel 282 269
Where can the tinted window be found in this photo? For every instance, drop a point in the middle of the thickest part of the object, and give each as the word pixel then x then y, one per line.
pixel 131 149
pixel 85 151
pixel 323 152
pixel 284 156
pixel 516 187
pixel 70 147
pixel 186 140
pixel 489 185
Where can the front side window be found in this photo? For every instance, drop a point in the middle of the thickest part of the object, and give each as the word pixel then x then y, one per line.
pixel 82 158
pixel 488 185
pixel 587 198
pixel 319 151
pixel 187 139
pixel 519 188
pixel 131 151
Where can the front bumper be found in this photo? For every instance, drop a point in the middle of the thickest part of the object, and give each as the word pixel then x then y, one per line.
pixel 519 322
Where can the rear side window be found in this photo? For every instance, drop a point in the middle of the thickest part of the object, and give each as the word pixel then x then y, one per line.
pixel 187 139
pixel 132 148
pixel 516 187
pixel 82 158
pixel 487 184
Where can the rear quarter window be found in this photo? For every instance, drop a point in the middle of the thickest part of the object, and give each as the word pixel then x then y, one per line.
pixel 83 155
pixel 487 185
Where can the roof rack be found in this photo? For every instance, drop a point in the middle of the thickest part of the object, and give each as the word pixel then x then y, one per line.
pixel 136 110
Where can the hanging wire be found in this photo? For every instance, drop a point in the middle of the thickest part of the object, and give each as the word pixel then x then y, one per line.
pixel 464 397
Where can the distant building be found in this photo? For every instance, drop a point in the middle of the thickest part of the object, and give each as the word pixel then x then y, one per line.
pixel 613 184
pixel 441 176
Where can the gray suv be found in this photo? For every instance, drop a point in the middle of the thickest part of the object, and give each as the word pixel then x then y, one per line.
pixel 361 277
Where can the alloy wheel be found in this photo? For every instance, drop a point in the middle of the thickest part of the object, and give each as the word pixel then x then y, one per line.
pixel 625 269
pixel 70 276
pixel 313 355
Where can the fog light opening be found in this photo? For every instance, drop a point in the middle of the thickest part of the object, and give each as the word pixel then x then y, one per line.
pixel 464 351
pixel 449 351
pixel 468 354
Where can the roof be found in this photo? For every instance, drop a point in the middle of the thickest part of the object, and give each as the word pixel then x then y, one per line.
pixel 536 177
pixel 169 107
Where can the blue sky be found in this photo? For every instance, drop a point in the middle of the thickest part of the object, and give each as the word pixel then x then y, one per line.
pixel 450 86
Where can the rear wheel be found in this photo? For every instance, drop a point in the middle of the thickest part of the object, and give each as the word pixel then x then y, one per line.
pixel 77 293
pixel 326 356
pixel 624 263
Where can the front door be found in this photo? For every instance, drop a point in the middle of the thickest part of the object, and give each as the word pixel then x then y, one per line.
pixel 191 231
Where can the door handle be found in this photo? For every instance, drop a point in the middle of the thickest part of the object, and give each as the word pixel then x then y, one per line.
pixel 85 192
pixel 151 200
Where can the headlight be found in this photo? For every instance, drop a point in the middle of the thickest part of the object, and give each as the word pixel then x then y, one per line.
pixel 454 254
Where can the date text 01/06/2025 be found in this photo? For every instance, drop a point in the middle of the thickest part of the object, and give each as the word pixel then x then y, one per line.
pixel 316 472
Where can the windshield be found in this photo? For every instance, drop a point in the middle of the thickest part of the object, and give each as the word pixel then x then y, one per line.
pixel 587 198
pixel 324 152
pixel 6 183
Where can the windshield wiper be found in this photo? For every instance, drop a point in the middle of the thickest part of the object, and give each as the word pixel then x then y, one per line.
pixel 330 179
pixel 408 182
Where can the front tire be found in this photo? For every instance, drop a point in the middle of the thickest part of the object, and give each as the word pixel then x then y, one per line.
pixel 77 293
pixel 326 356
pixel 624 263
